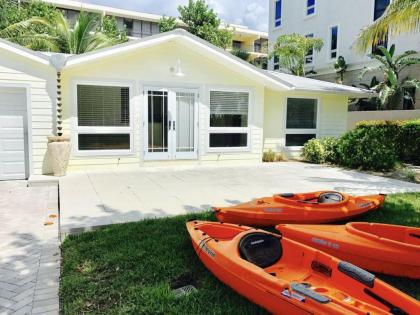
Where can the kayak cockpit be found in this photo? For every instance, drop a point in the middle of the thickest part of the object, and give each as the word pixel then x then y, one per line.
pixel 220 231
pixel 317 198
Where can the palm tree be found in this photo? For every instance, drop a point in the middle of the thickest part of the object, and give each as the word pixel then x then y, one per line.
pixel 59 36
pixel 292 49
pixel 401 16
pixel 391 90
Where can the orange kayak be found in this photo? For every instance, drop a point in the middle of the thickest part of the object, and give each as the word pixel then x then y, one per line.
pixel 310 208
pixel 381 248
pixel 287 277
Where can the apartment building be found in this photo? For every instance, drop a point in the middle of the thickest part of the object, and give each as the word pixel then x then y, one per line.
pixel 139 25
pixel 337 23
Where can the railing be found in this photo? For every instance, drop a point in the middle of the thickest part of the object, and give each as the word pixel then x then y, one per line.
pixel 252 48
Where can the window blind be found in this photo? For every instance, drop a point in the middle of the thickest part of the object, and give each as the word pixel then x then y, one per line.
pixel 103 106
pixel 229 103
pixel 301 113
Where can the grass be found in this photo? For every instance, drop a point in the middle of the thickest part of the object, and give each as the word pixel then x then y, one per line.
pixel 132 268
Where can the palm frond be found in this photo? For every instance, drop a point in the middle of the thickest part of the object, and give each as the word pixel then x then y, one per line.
pixel 401 16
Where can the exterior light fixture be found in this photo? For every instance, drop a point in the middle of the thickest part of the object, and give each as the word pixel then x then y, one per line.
pixel 177 71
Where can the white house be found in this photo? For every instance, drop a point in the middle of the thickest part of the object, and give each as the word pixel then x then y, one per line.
pixel 337 23
pixel 168 98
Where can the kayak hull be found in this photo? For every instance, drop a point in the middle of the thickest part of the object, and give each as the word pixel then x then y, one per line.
pixel 381 248
pixel 270 211
pixel 273 287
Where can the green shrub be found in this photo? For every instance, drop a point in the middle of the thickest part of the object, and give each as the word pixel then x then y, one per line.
pixel 409 142
pixel 269 156
pixel 330 147
pixel 371 146
pixel 313 151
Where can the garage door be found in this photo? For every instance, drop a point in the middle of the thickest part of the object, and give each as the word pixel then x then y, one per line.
pixel 13 133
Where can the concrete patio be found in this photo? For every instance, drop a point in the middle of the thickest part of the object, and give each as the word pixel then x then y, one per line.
pixel 92 199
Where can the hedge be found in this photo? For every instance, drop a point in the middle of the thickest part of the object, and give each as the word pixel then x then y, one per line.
pixel 372 145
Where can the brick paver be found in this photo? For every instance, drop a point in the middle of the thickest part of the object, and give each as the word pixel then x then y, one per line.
pixel 29 249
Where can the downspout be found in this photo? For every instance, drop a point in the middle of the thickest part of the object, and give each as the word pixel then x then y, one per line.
pixel 58 61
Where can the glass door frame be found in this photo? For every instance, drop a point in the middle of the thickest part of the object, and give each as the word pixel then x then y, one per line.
pixel 172 125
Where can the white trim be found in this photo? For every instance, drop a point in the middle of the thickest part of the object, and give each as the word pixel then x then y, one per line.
pixel 232 130
pixel 76 129
pixel 295 131
pixel 171 89
pixel 24 52
pixel 29 154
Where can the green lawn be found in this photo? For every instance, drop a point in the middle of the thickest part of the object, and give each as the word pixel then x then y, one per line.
pixel 131 268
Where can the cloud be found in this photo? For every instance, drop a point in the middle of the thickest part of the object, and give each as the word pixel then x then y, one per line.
pixel 252 13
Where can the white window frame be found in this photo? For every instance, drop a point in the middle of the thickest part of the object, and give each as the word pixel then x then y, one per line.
pixel 310 35
pixel 330 51
pixel 76 129
pixel 281 16
pixel 235 130
pixel 295 131
pixel 307 8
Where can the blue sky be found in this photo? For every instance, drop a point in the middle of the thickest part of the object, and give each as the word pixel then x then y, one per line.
pixel 252 13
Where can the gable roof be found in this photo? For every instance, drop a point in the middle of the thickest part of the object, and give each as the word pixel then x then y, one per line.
pixel 191 41
pixel 24 52
pixel 274 80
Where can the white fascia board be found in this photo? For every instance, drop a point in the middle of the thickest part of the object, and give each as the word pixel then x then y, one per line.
pixel 235 61
pixel 350 94
pixel 77 60
pixel 24 52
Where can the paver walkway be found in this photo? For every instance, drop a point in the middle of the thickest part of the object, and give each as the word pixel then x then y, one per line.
pixel 93 199
pixel 29 250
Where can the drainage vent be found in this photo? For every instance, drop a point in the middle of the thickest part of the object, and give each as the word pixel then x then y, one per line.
pixel 184 291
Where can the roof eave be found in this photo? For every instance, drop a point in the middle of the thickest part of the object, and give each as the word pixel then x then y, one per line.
pixel 24 52
pixel 350 94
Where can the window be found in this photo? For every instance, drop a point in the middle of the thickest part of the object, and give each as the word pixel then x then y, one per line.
pixel 380 7
pixel 236 45
pixel 103 118
pixel 310 7
pixel 277 13
pixel 334 42
pixel 276 61
pixel 128 24
pixel 229 119
pixel 301 121
pixel 309 58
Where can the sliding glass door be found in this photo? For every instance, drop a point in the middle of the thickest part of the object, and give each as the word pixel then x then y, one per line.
pixel 170 124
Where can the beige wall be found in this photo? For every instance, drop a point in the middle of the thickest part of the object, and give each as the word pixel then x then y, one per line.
pixel 151 67
pixel 332 120
pixel 40 81
pixel 355 117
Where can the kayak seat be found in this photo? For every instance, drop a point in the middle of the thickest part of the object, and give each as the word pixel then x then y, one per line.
pixel 330 197
pixel 261 249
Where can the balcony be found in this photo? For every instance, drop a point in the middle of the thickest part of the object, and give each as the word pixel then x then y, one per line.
pixel 251 49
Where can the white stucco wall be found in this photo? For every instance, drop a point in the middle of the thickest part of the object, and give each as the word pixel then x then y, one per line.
pixel 39 80
pixel 350 15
